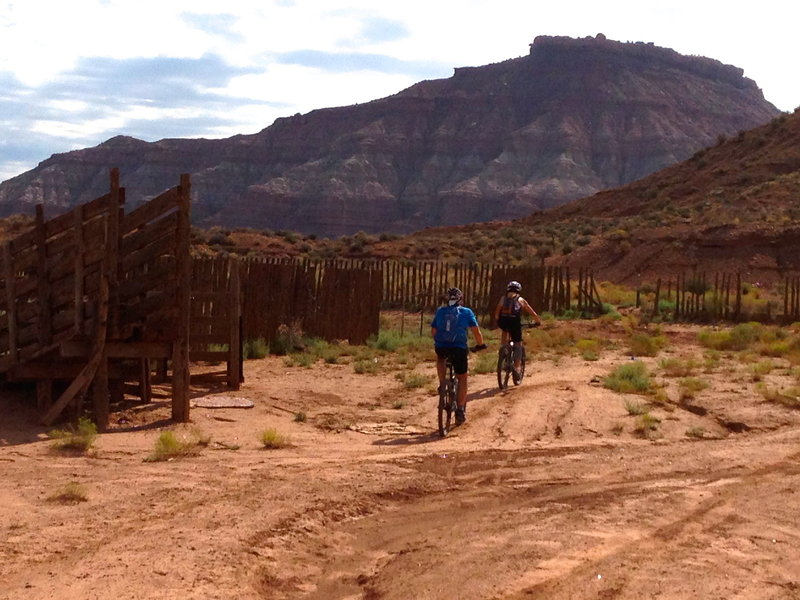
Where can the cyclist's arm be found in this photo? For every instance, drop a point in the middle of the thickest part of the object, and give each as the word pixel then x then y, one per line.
pixel 529 309
pixel 477 334
pixel 497 310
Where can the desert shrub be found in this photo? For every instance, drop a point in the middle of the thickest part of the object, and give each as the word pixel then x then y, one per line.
pixel 300 359
pixel 74 439
pixel 486 362
pixel 644 344
pixel 170 445
pixel 71 493
pixel 257 348
pixel 635 408
pixel 739 337
pixel 588 349
pixel 288 338
pixel 630 378
pixel 678 367
pixel 412 381
pixel 696 432
pixel 366 366
pixel 789 397
pixel 271 439
pixel 646 425
pixel 689 387
pixel 760 369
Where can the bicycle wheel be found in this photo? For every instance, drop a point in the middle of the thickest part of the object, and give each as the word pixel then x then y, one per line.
pixel 447 401
pixel 503 367
pixel 521 372
pixel 445 413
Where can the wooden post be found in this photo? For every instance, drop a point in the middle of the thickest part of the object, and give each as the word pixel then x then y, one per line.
pixel 738 310
pixel 656 300
pixel 43 281
pixel 78 266
pixel 234 315
pixel 183 275
pixel 11 301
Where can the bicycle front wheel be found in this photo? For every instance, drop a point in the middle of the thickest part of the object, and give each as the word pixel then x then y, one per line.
pixel 503 367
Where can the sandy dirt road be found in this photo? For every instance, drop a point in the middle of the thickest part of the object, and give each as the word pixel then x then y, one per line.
pixel 546 492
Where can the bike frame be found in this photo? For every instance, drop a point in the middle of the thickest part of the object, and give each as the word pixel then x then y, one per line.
pixel 447 398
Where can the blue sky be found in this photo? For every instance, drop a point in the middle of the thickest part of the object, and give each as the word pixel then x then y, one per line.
pixel 75 73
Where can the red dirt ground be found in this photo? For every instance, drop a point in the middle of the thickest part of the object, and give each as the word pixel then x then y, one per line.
pixel 546 492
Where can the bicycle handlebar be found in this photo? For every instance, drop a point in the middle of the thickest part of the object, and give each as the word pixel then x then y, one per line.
pixel 478 348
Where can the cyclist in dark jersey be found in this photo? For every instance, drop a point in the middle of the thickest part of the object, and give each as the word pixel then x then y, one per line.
pixel 508 315
pixel 449 327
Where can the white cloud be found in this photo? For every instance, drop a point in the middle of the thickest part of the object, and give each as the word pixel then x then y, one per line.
pixel 52 52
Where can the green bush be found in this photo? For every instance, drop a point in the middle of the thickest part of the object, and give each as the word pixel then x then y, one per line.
pixel 75 439
pixel 288 338
pixel 588 349
pixel 740 337
pixel 630 378
pixel 257 348
pixel 643 344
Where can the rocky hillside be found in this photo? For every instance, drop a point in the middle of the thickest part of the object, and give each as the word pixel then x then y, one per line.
pixel 730 208
pixel 494 142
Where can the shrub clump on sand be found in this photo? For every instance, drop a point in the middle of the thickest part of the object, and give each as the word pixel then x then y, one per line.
pixel 75 439
pixel 630 378
pixel 169 445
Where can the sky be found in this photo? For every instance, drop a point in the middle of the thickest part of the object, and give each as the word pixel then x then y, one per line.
pixel 74 73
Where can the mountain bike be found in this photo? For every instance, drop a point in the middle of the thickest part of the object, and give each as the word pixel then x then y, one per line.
pixel 448 394
pixel 505 362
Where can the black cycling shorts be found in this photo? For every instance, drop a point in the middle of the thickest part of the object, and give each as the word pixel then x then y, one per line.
pixel 512 325
pixel 458 356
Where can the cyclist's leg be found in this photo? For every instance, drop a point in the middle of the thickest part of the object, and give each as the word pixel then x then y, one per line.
pixel 441 356
pixel 460 364
pixel 516 335
pixel 461 399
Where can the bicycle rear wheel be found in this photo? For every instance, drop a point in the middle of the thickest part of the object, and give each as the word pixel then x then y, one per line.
pixel 503 367
pixel 521 372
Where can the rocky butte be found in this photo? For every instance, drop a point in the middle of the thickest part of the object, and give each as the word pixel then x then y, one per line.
pixel 571 118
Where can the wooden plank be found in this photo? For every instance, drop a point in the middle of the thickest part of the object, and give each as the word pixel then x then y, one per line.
pixel 151 210
pixel 24 241
pixel 80 349
pixel 208 356
pixel 142 238
pixel 162 247
pixel 215 296
pixel 183 274
pixel 158 274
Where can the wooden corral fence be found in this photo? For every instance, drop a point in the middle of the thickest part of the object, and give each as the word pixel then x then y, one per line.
pixel 420 286
pixel 89 297
pixel 327 299
pixel 215 317
pixel 342 298
pixel 700 297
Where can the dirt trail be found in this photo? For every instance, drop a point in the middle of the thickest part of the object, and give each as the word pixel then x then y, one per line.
pixel 546 492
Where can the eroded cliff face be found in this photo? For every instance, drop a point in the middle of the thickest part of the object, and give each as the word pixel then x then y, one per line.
pixel 493 142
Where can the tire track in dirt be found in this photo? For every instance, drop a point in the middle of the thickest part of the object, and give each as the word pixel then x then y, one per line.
pixel 543 534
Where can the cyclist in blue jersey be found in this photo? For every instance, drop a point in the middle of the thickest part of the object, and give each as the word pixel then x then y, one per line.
pixel 450 327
